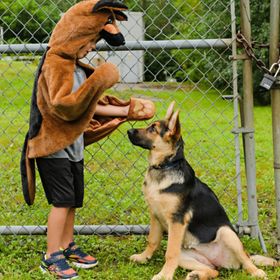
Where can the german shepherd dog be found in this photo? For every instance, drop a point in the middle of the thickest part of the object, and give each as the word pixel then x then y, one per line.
pixel 200 235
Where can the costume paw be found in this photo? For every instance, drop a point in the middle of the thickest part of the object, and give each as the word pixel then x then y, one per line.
pixel 139 258
pixel 140 109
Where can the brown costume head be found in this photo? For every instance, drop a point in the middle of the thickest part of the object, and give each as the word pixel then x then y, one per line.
pixel 87 21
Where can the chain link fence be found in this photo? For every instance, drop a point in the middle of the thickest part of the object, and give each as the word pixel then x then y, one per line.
pixel 176 50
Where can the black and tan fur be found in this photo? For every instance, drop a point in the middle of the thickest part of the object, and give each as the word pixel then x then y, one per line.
pixel 200 235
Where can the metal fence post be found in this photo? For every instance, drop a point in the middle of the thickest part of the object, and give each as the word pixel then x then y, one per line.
pixel 249 140
pixel 1 35
pixel 275 104
pixel 236 114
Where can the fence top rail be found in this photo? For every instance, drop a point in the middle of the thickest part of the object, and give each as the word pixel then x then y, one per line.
pixel 78 229
pixel 130 45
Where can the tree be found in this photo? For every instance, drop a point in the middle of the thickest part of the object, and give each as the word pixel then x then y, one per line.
pixel 260 11
pixel 159 18
pixel 30 21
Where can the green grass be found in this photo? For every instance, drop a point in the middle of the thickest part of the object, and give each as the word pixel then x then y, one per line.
pixel 114 173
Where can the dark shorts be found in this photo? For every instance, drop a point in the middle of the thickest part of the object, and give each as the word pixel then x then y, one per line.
pixel 63 181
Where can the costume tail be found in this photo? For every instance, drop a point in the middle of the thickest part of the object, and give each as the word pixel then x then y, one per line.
pixel 27 166
pixel 27 171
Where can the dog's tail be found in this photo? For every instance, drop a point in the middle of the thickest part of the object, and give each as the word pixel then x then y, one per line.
pixel 264 261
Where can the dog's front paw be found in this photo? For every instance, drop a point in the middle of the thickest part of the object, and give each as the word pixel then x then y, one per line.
pixel 139 258
pixel 259 273
pixel 193 276
pixel 161 276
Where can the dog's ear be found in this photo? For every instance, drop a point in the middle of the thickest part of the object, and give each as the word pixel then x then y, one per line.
pixel 174 125
pixel 170 111
pixel 111 6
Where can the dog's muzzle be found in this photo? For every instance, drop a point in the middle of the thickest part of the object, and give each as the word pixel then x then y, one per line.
pixel 136 139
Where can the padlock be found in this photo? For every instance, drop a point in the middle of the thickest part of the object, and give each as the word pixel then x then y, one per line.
pixel 269 79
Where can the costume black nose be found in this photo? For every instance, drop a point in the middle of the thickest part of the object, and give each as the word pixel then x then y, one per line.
pixel 113 39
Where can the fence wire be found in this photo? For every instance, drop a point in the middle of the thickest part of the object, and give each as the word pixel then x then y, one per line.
pixel 198 78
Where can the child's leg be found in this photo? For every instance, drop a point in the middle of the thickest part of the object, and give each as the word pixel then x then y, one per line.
pixel 68 233
pixel 54 261
pixel 56 226
pixel 71 251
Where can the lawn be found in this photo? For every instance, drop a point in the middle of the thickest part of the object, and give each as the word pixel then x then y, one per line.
pixel 114 173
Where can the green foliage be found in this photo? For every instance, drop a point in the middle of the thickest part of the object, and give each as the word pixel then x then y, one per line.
pixel 195 19
pixel 160 19
pixel 175 19
pixel 30 20
pixel 260 33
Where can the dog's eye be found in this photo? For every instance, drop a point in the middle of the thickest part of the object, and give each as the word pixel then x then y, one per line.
pixel 152 128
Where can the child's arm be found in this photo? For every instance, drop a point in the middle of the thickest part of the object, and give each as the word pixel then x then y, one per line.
pixel 111 110
pixel 69 105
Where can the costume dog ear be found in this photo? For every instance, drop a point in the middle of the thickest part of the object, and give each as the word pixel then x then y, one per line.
pixel 111 5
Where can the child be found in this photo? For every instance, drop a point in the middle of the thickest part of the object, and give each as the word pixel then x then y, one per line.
pixel 68 112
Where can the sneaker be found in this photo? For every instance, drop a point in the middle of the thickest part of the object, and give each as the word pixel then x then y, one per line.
pixel 57 266
pixel 80 259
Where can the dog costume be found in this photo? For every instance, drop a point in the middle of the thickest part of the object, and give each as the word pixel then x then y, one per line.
pixel 58 116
